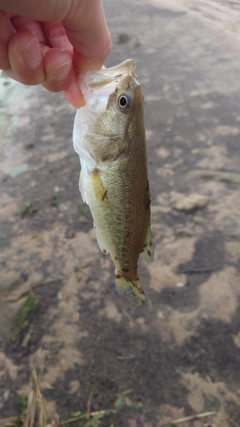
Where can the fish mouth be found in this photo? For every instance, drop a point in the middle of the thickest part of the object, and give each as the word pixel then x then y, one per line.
pixel 104 81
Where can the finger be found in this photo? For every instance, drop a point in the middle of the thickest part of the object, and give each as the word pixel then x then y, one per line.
pixel 6 32
pixel 9 72
pixel 4 61
pixel 84 21
pixel 58 68
pixel 26 59
pixel 56 36
pixel 22 23
pixel 58 65
pixel 51 34
pixel 88 33
pixel 54 10
pixel 72 93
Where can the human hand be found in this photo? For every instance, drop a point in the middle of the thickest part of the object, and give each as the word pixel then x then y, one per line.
pixel 51 41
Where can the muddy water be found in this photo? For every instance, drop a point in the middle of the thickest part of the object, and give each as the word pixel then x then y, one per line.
pixel 180 354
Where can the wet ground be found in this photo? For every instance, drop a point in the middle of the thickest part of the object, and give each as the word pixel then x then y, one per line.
pixel 180 355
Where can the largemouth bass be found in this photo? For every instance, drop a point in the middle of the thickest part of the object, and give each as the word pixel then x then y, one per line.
pixel 109 137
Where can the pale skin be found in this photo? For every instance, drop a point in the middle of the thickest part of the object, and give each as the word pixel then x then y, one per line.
pixel 50 42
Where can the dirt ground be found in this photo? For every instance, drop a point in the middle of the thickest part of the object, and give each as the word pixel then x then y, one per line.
pixel 59 310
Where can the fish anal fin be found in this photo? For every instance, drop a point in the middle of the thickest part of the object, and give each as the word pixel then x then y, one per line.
pixel 148 251
pixel 124 286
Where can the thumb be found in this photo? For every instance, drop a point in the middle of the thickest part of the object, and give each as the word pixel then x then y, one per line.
pixel 87 30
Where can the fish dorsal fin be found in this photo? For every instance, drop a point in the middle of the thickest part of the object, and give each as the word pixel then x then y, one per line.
pixel 148 251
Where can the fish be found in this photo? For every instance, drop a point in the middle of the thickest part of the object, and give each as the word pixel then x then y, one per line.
pixel 109 137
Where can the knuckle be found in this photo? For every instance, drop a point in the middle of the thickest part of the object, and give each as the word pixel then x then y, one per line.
pixel 4 59
pixel 54 86
pixel 30 79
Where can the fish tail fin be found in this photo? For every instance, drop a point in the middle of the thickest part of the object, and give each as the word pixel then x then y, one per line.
pixel 124 285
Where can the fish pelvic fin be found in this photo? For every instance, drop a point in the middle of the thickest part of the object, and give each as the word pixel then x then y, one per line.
pixel 101 243
pixel 82 188
pixel 148 251
pixel 124 285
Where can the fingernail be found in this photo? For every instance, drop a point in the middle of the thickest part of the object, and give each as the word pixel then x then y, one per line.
pixel 61 72
pixel 31 54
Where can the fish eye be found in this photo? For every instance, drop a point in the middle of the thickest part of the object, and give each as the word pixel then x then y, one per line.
pixel 124 102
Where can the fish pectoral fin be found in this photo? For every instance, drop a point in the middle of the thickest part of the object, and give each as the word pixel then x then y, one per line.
pixel 148 251
pixel 124 286
pixel 100 191
pixel 101 243
pixel 81 188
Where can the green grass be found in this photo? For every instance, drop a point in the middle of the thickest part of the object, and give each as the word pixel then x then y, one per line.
pixel 94 418
pixel 82 209
pixel 29 210
pixel 23 406
pixel 54 200
pixel 25 311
